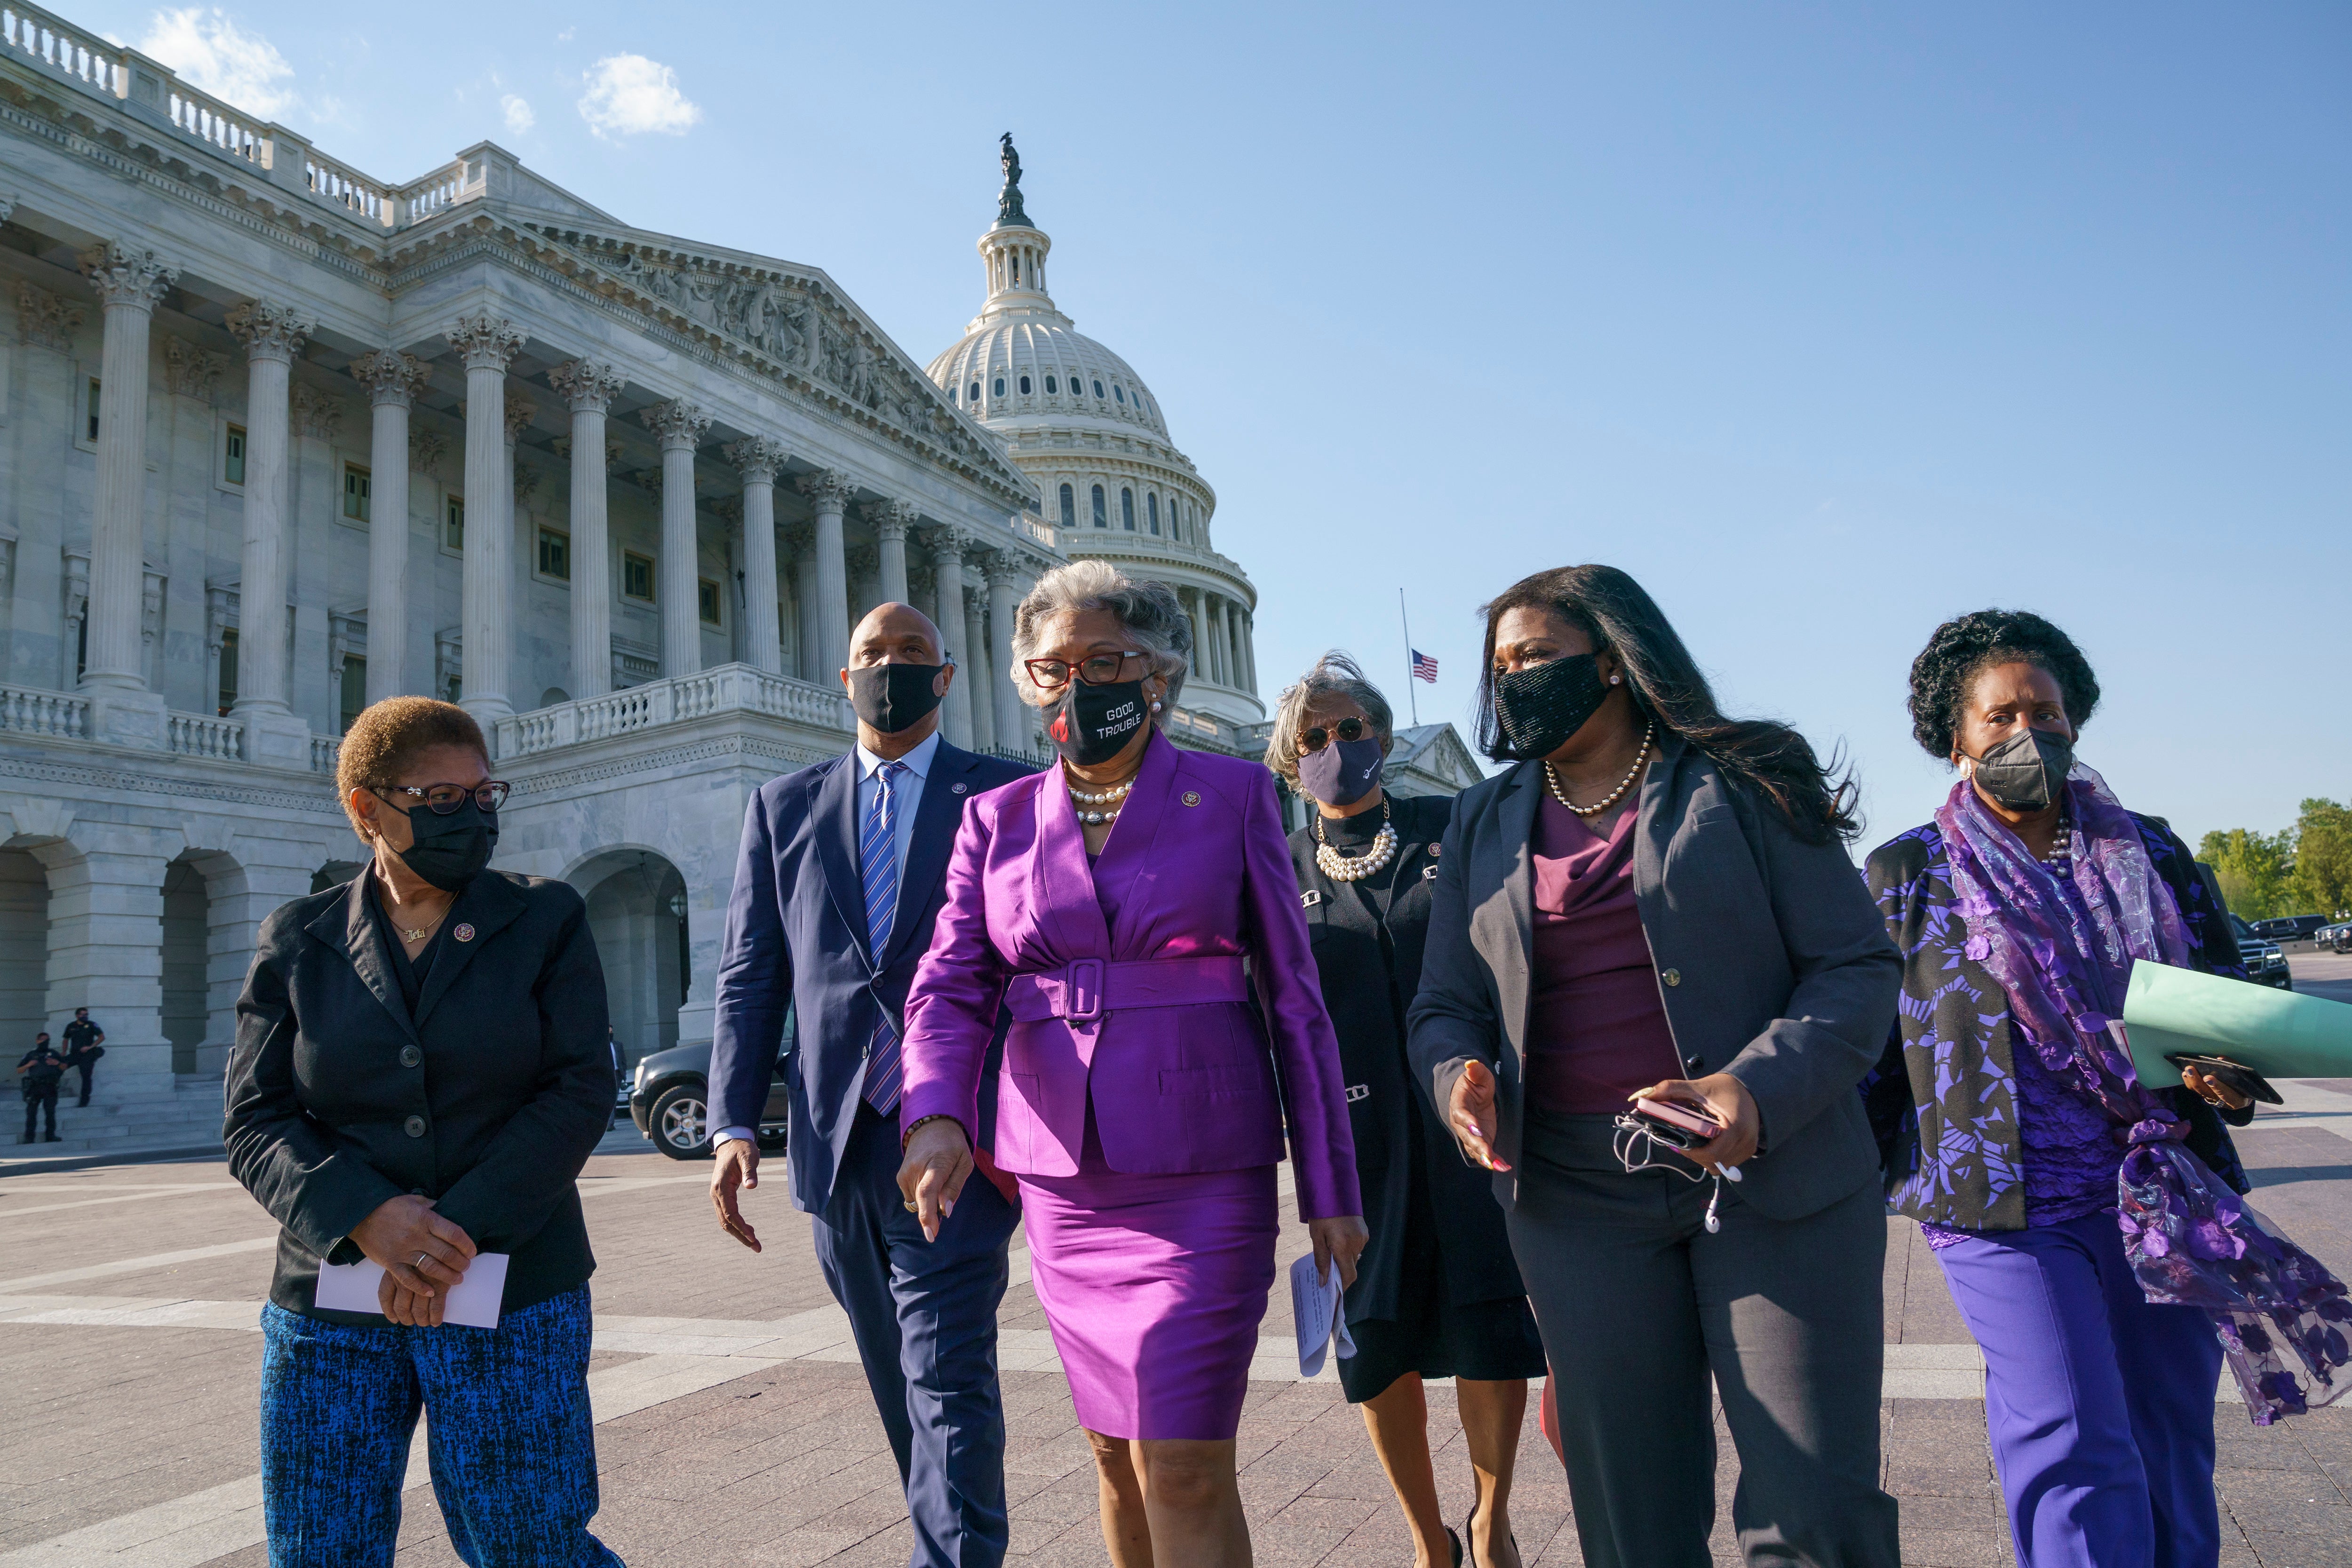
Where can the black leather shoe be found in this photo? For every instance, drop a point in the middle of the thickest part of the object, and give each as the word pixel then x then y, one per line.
pixel 1455 1541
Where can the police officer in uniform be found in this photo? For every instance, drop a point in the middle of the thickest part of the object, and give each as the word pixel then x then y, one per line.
pixel 85 1043
pixel 41 1068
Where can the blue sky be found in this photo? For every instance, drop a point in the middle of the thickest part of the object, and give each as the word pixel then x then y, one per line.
pixel 1825 323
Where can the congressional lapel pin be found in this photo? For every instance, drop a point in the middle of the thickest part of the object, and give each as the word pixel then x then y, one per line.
pixel 956 789
pixel 1191 797
pixel 1433 851
pixel 464 931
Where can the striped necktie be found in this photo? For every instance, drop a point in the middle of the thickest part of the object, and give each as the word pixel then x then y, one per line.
pixel 877 857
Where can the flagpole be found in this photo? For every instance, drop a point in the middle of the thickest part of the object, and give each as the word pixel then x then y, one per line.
pixel 1410 690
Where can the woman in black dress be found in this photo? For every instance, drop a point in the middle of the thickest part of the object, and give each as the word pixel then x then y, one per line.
pixel 1436 1292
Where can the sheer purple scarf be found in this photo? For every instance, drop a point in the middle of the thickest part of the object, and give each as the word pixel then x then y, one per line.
pixel 2191 1240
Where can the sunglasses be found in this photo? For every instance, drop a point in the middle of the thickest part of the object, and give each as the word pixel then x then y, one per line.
pixel 441 799
pixel 1316 739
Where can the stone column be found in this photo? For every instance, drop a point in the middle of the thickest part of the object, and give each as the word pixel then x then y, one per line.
pixel 863 565
pixel 984 672
pixel 757 460
pixel 801 538
pixel 588 388
pixel 129 283
pixel 1249 651
pixel 273 335
pixel 1004 570
pixel 679 426
pixel 829 491
pixel 393 380
pixel 486 621
pixel 948 546
pixel 891 524
pixel 106 944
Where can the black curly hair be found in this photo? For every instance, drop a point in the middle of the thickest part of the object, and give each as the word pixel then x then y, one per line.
pixel 1965 646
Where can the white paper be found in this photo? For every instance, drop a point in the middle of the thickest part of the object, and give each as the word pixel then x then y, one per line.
pixel 473 1300
pixel 1318 1308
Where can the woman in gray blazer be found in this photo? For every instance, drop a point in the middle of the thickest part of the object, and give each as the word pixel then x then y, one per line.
pixel 1654 903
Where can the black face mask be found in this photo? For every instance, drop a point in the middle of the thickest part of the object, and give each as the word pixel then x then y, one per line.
pixel 894 697
pixel 450 851
pixel 2026 772
pixel 1343 772
pixel 1541 707
pixel 1095 723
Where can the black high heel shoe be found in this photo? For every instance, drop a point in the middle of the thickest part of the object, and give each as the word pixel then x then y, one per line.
pixel 1455 1541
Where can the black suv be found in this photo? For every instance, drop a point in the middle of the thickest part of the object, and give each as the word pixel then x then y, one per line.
pixel 2265 964
pixel 669 1101
pixel 2290 927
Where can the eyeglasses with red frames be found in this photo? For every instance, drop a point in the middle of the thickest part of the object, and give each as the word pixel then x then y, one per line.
pixel 1316 739
pixel 441 799
pixel 1100 669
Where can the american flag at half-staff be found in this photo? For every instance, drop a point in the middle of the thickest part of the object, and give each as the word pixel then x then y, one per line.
pixel 1424 666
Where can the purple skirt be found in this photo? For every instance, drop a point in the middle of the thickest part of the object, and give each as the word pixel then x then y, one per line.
pixel 1154 1286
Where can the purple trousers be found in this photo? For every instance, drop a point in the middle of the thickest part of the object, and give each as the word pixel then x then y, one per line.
pixel 2099 1405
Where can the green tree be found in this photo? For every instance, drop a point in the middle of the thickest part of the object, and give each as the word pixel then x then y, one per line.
pixel 2255 869
pixel 2322 883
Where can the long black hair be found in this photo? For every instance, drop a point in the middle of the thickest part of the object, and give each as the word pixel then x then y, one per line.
pixel 1611 609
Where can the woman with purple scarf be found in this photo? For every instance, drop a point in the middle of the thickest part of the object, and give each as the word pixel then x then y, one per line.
pixel 2091 1228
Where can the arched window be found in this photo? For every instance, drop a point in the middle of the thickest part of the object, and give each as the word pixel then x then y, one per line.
pixel 1098 391
pixel 1127 508
pixel 1175 518
pixel 1118 392
pixel 1049 386
pixel 975 392
pixel 1151 509
pixel 1069 507
pixel 952 395
pixel 1102 518
pixel 1024 386
pixel 1016 268
pixel 1000 386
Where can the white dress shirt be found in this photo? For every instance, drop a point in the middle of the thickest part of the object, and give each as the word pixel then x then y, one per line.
pixel 907 796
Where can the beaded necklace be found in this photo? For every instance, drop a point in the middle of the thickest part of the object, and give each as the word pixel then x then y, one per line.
pixel 1340 867
pixel 1552 780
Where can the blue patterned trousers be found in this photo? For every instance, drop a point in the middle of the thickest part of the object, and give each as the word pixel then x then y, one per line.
pixel 512 1444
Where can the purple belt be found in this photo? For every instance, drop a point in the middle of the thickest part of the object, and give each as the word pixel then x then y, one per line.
pixel 1085 988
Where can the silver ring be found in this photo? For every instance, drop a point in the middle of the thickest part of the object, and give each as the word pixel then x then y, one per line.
pixel 420 1260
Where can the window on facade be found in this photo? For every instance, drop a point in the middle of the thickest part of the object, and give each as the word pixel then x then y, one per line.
pixel 1049 386
pixel 1069 508
pixel 1024 386
pixel 705 600
pixel 1127 508
pixel 1098 391
pixel 1118 392
pixel 1016 269
pixel 228 670
pixel 452 525
pixel 90 412
pixel 953 396
pixel 555 555
pixel 354 689
pixel 637 576
pixel 1151 510
pixel 233 456
pixel 975 392
pixel 1102 518
pixel 1000 386
pixel 356 492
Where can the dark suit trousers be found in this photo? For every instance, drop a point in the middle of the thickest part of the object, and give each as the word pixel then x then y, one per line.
pixel 924 1315
pixel 1640 1307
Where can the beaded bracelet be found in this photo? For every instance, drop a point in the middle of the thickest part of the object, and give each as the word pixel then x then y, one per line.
pixel 909 1135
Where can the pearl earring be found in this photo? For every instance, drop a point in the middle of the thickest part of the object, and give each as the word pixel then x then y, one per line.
pixel 1155 707
pixel 1616 681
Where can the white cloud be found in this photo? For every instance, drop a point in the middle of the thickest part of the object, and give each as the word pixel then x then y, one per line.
pixel 217 55
pixel 629 94
pixel 519 118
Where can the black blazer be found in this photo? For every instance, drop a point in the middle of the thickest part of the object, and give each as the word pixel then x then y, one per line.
pixel 796 938
pixel 489 1103
pixel 1371 967
pixel 1772 965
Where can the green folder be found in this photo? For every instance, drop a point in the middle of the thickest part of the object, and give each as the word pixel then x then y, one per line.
pixel 2171 1012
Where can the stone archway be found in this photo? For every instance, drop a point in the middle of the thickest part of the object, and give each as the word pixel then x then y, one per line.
pixel 23 949
pixel 635 897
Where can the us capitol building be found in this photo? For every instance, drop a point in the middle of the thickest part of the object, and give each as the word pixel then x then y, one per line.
pixel 278 440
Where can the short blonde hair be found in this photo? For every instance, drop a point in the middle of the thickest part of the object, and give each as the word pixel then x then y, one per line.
pixel 389 735
pixel 1148 610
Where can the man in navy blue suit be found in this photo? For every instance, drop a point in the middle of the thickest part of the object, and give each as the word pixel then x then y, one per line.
pixel 840 881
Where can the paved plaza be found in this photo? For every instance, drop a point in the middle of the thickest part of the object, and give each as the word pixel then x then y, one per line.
pixel 734 1425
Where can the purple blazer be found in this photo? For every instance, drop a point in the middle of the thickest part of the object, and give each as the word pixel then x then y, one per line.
pixel 1155 1016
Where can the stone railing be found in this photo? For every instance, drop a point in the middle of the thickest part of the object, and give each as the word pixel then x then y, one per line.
pixel 203 735
pixel 420 199
pixel 325 751
pixel 32 33
pixel 348 189
pixel 29 710
pixel 679 699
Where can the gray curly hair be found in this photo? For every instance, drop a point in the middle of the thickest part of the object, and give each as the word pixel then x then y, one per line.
pixel 1336 674
pixel 1148 610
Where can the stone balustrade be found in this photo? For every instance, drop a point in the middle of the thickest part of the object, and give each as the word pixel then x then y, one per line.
pixel 202 735
pixel 325 751
pixel 726 690
pixel 29 711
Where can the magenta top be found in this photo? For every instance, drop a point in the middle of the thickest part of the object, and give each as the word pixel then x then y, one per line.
pixel 1596 1028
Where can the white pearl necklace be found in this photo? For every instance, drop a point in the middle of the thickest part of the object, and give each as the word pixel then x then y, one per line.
pixel 1552 780
pixel 1341 868
pixel 1091 801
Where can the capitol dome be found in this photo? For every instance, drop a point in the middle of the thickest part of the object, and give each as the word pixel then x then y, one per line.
pixel 1079 420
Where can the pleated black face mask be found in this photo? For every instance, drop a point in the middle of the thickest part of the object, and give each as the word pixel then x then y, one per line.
pixel 894 697
pixel 1541 707
pixel 2025 771
pixel 451 851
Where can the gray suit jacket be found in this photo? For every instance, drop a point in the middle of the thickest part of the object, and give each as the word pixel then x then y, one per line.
pixel 1773 964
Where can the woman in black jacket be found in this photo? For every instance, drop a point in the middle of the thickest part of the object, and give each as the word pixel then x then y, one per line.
pixel 1654 904
pixel 420 1073
pixel 1437 1293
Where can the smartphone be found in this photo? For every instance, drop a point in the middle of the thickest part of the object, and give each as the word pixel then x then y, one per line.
pixel 2237 1077
pixel 1675 1124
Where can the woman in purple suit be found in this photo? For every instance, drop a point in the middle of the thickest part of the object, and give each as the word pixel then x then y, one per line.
pixel 1127 907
